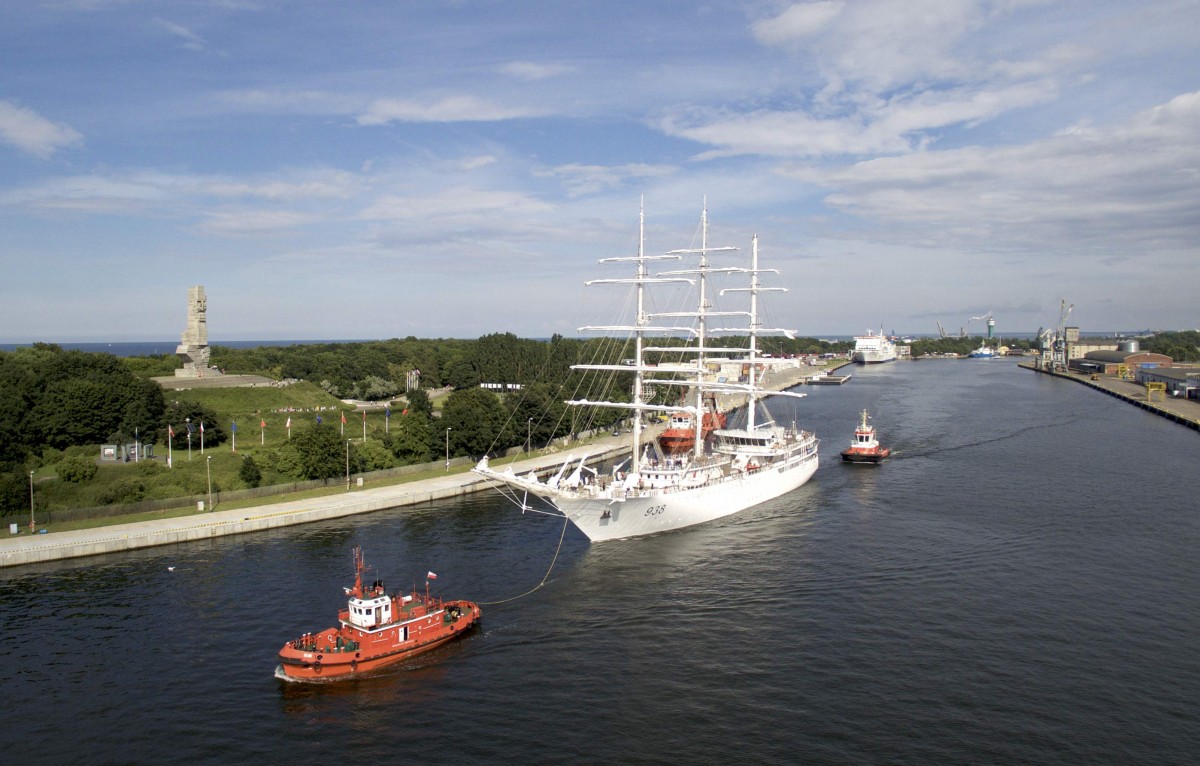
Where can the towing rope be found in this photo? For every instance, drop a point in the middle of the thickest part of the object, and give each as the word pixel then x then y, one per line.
pixel 545 577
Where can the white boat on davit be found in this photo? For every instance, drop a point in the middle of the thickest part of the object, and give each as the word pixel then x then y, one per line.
pixel 739 468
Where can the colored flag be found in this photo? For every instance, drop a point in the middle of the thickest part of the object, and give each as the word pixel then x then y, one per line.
pixel 170 431
pixel 318 420
pixel 343 418
pixel 289 423
pixel 262 424
pixel 405 411
pixel 232 427
pixel 201 426
pixel 430 576
pixel 387 412
pixel 191 428
pixel 364 416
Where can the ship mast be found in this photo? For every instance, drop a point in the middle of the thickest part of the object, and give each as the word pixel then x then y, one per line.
pixel 701 332
pixel 639 336
pixel 755 325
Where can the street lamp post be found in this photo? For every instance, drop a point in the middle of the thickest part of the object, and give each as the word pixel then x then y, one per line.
pixel 447 450
pixel 347 465
pixel 208 471
pixel 32 523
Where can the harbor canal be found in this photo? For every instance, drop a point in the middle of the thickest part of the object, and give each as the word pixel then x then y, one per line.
pixel 1017 584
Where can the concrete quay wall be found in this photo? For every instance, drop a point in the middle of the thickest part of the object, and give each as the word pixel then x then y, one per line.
pixel 1185 412
pixel 32 549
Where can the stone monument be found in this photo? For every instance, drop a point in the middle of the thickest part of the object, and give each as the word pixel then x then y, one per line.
pixel 193 345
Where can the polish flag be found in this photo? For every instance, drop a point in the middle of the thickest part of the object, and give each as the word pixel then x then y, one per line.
pixel 170 431
pixel 430 576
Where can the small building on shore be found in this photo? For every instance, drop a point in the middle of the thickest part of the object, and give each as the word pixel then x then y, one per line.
pixel 1180 382
pixel 1108 362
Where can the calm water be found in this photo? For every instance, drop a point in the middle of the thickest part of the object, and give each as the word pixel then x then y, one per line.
pixel 1019 584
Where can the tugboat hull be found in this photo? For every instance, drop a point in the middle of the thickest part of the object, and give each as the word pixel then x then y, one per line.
pixel 376 630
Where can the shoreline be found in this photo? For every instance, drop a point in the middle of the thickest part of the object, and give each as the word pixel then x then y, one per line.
pixel 1185 412
pixel 55 546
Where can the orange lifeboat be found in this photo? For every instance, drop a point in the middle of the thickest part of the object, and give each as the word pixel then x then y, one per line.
pixel 680 434
pixel 376 630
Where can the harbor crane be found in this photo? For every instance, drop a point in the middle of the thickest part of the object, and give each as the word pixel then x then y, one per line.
pixel 1060 341
pixel 1053 340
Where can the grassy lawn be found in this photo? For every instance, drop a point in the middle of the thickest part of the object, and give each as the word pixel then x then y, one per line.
pixel 336 487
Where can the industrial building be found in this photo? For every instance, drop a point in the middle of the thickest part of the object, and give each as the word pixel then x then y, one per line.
pixel 1180 382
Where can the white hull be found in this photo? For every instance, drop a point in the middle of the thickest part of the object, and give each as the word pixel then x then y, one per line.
pixel 646 515
pixel 873 349
pixel 873 357
pixel 633 513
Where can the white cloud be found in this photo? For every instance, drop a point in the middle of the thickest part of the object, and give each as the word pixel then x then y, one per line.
pixel 453 204
pixel 299 101
pixel 253 222
pixel 1119 191
pixel 30 132
pixel 191 40
pixel 446 109
pixel 797 22
pixel 179 194
pixel 530 70
pixel 582 179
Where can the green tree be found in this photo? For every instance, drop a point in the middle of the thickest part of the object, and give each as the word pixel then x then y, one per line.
pixel 77 469
pixel 475 417
pixel 182 414
pixel 461 375
pixel 319 451
pixel 409 438
pixel 249 472
pixel 374 456
pixel 418 401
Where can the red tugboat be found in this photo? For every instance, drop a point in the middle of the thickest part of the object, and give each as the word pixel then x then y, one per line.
pixel 375 630
pixel 865 448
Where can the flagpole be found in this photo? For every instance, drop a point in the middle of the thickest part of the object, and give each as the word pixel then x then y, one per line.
pixel 170 438
pixel 364 426
pixel 234 429
pixel 262 426
pixel 201 437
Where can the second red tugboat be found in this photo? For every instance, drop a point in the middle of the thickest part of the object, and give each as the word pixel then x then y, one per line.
pixel 375 630
pixel 866 447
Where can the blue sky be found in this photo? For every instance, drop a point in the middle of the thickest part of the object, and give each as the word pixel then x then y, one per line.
pixel 450 169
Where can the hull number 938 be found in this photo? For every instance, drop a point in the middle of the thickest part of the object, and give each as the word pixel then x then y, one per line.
pixel 655 510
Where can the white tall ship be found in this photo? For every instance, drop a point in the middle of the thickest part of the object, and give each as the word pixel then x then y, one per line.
pixel 740 468
pixel 873 349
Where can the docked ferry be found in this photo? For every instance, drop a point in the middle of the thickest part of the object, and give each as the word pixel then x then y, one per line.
pixel 873 349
